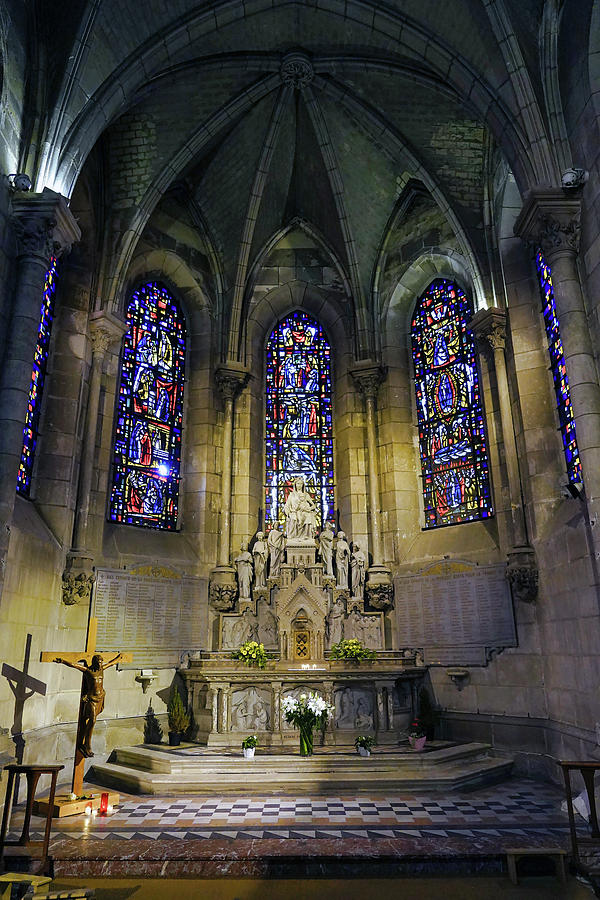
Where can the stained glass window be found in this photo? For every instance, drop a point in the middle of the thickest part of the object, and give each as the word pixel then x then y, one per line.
pixel 147 451
pixel 452 443
pixel 40 359
pixel 299 441
pixel 559 370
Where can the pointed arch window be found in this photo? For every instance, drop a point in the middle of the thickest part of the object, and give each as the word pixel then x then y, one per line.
pixel 299 434
pixel 559 370
pixel 147 449
pixel 454 462
pixel 36 387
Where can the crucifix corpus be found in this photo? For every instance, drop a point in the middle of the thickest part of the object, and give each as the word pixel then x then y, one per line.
pixel 91 664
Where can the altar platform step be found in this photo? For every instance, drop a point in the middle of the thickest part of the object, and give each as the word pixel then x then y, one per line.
pixel 145 769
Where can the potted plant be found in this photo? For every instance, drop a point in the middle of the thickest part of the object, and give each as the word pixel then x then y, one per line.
pixel 417 736
pixel 249 745
pixel 364 744
pixel 353 650
pixel 306 713
pixel 179 721
pixel 252 654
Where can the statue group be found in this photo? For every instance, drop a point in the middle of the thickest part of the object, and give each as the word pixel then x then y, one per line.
pixel 341 560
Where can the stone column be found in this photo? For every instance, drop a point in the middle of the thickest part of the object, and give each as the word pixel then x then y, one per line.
pixel 105 330
pixel 379 587
pixel 489 325
pixel 230 379
pixel 44 226
pixel 550 220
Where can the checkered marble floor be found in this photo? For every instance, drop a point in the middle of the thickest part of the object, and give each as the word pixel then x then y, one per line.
pixel 518 807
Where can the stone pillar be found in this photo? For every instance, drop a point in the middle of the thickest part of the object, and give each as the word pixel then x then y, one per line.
pixel 379 587
pixel 550 220
pixel 105 330
pixel 489 325
pixel 231 379
pixel 44 227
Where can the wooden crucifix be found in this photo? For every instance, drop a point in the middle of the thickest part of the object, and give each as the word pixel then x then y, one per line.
pixel 92 665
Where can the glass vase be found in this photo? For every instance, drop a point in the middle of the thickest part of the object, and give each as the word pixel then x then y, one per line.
pixel 306 740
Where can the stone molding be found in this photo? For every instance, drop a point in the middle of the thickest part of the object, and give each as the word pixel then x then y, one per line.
pixel 489 325
pixel 296 70
pixel 43 224
pixel 231 380
pixel 551 220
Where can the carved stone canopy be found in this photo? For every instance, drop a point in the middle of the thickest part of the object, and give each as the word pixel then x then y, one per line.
pixel 44 224
pixel 550 220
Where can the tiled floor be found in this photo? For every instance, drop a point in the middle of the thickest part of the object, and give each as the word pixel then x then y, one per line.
pixel 517 807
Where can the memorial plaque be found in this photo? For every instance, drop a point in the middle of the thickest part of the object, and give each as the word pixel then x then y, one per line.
pixel 152 613
pixel 457 612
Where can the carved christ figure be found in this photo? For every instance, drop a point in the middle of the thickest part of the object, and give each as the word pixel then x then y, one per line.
pixel 92 698
pixel 300 512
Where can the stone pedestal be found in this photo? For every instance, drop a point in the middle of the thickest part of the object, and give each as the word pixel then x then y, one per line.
pixel 223 589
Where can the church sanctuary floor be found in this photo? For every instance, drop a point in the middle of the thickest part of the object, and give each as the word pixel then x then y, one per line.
pixel 373 835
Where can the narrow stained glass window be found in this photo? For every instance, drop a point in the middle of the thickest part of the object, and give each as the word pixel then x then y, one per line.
pixel 149 414
pixel 452 443
pixel 559 370
pixel 299 441
pixel 38 374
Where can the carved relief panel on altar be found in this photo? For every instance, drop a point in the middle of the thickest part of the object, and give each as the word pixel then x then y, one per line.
pixel 251 709
pixel 354 709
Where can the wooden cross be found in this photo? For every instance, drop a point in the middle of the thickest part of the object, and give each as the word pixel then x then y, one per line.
pixel 84 725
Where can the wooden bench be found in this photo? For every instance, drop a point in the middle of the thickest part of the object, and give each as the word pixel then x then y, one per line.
pixel 556 854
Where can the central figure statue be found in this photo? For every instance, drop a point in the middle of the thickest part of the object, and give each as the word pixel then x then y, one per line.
pixel 300 512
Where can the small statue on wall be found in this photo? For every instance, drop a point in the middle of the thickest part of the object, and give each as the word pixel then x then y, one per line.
pixel 326 548
pixel 243 565
pixel 276 545
pixel 334 623
pixel 259 552
pixel 358 565
pixel 300 512
pixel 342 553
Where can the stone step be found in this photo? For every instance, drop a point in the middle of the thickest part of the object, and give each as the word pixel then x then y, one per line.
pixel 142 771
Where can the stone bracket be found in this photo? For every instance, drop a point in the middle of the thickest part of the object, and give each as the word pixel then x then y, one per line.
pixel 522 574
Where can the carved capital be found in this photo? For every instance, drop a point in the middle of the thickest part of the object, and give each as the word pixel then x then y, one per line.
pixel 379 588
pixel 367 379
pixel 222 591
pixel 296 70
pixel 105 329
pixel 489 326
pixel 231 381
pixel 522 574
pixel 44 225
pixel 550 220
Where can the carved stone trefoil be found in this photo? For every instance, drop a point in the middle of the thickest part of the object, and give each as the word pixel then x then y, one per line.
pixel 522 574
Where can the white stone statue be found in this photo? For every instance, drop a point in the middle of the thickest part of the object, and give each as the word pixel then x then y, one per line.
pixel 268 626
pixel 300 512
pixel 326 548
pixel 342 553
pixel 243 565
pixel 358 564
pixel 334 624
pixel 276 545
pixel 259 552
pixel 357 626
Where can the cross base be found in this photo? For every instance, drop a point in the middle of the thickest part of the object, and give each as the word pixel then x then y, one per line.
pixel 64 806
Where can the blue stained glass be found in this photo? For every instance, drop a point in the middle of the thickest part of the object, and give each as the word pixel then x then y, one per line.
pixel 452 443
pixel 559 371
pixel 147 452
pixel 299 434
pixel 38 374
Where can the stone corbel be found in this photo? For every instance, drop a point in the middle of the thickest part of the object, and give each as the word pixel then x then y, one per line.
pixel 550 220
pixel 44 225
pixel 78 578
pixel 380 589
pixel 222 591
